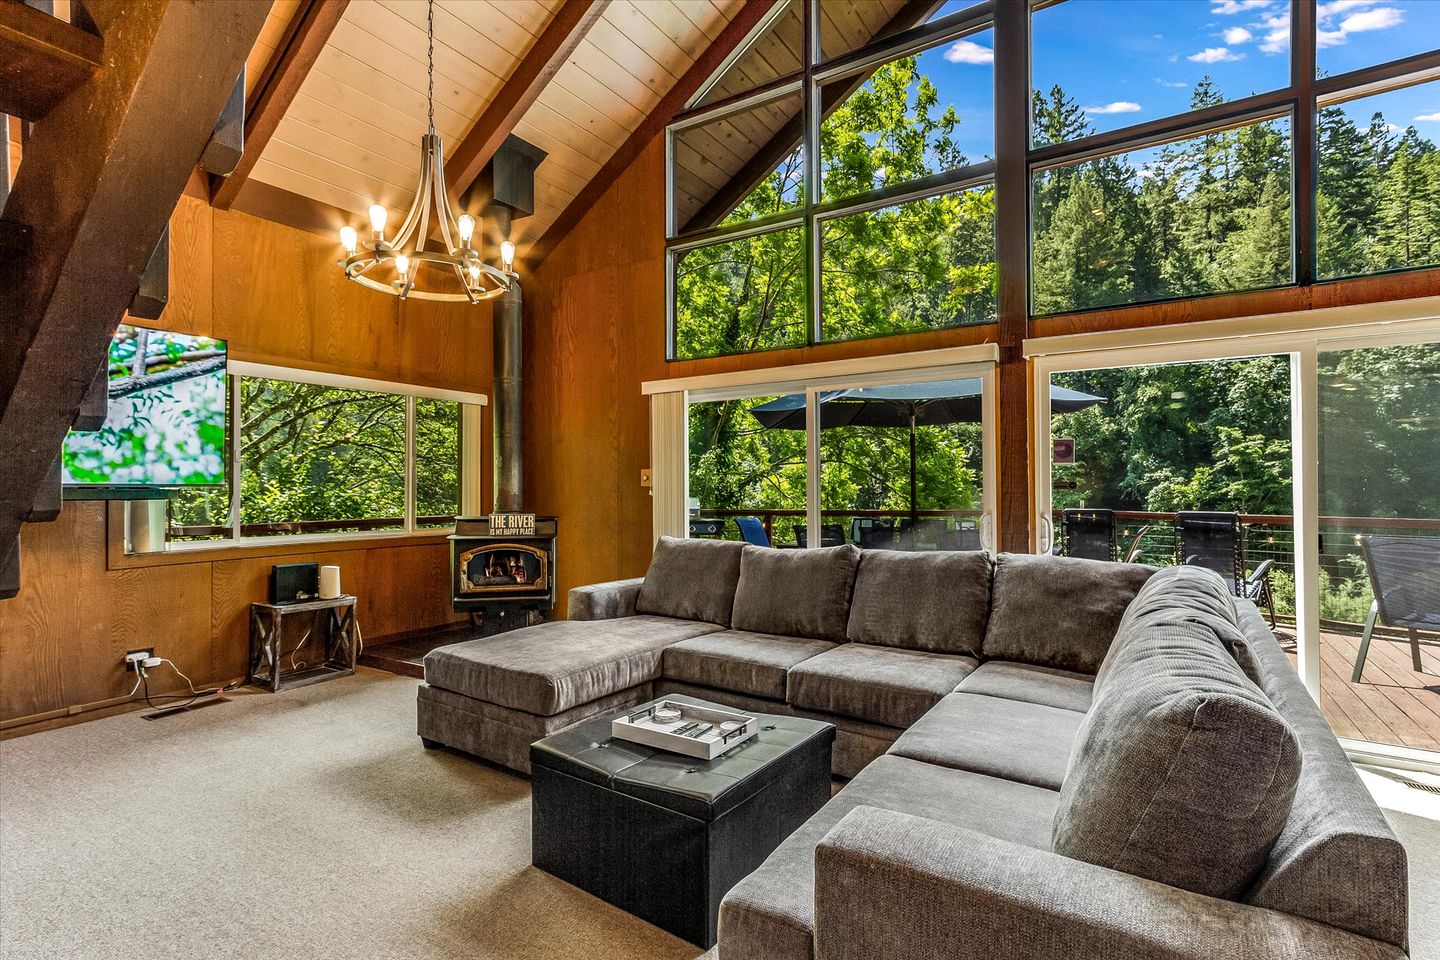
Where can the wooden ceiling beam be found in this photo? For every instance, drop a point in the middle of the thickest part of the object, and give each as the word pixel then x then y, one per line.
pixel 275 90
pixel 654 123
pixel 42 58
pixel 103 171
pixel 571 22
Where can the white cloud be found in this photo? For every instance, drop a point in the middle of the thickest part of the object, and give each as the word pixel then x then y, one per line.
pixel 1173 84
pixel 1327 10
pixel 1213 55
pixel 1429 117
pixel 1278 41
pixel 1230 7
pixel 1381 18
pixel 1238 35
pixel 967 51
pixel 1119 106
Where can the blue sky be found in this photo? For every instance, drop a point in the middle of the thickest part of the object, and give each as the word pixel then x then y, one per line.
pixel 1127 61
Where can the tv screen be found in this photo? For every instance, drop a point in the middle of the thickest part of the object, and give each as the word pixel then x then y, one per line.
pixel 166 424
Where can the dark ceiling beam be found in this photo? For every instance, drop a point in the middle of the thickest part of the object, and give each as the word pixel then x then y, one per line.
pixel 102 174
pixel 277 87
pixel 571 22
pixel 654 123
pixel 42 58
pixel 788 137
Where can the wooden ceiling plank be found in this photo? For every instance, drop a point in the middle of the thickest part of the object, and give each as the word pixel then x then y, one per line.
pixel 340 77
pixel 660 29
pixel 670 104
pixel 462 55
pixel 42 59
pixel 305 37
pixel 585 114
pixel 565 32
pixel 102 174
pixel 323 191
pixel 359 157
pixel 363 183
pixel 354 131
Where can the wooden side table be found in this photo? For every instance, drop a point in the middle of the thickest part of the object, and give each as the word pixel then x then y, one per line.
pixel 330 655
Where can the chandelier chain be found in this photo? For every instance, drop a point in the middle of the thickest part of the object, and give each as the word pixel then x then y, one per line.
pixel 430 30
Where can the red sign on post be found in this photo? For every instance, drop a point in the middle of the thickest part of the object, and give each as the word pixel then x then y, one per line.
pixel 1064 451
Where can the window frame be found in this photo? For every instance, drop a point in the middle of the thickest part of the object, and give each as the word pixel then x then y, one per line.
pixel 471 478
pixel 1300 100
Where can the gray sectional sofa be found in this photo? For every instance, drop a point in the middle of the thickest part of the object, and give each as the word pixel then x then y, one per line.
pixel 1047 756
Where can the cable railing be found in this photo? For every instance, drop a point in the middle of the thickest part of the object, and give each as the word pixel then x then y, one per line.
pixel 293 527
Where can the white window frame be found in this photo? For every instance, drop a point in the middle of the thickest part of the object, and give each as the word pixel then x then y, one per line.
pixel 471 439
pixel 1303 336
pixel 669 419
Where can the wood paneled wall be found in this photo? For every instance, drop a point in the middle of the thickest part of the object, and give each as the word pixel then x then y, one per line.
pixel 275 294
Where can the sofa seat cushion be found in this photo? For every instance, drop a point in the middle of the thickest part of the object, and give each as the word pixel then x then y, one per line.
pixel 753 663
pixel 771 912
pixel 1049 686
pixel 886 685
pixel 1058 611
pixel 1009 739
pixel 691 579
pixel 796 593
pixel 553 667
pixel 936 600
pixel 1183 771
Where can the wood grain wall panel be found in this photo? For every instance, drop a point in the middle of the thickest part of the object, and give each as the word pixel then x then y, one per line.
pixel 276 295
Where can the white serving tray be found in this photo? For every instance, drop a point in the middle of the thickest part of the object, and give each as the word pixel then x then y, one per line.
pixel 638 726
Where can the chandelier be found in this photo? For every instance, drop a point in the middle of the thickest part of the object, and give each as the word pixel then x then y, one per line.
pixel 400 265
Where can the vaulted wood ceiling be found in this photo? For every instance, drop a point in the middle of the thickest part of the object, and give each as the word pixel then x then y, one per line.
pixel 350 135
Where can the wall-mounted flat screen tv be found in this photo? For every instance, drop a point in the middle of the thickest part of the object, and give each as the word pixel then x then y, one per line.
pixel 166 424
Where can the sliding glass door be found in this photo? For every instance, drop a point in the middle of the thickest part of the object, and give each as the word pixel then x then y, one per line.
pixel 895 460
pixel 1322 449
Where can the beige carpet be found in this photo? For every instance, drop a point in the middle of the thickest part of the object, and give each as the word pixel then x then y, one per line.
pixel 311 824
pixel 306 824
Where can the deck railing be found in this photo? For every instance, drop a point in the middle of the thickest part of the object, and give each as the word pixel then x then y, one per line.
pixel 366 525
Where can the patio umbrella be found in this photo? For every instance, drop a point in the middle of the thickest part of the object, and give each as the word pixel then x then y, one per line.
pixel 911 405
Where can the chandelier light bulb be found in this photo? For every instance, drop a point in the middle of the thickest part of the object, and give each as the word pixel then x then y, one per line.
pixel 378 216
pixel 402 266
pixel 474 274
pixel 507 255
pixel 467 228
pixel 349 239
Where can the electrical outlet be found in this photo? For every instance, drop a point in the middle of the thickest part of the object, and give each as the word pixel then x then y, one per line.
pixel 133 657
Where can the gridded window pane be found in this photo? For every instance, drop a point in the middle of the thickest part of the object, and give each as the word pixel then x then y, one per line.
pixel 741 295
pixel 1199 216
pixel 741 469
pixel 1351 36
pixel 915 116
pixel 739 167
pixel 1104 64
pixel 1378 206
pixel 775 53
pixel 919 265
pixel 437 462
pixel 317 459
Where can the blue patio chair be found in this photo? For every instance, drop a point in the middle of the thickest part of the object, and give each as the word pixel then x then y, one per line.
pixel 752 531
pixel 1405 578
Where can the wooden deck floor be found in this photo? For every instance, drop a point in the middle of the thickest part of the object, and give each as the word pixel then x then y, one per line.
pixel 1392 703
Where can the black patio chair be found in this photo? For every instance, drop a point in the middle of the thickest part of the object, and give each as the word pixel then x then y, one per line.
pixel 1089 534
pixel 1405 578
pixel 965 536
pixel 831 535
pixel 1216 541
pixel 874 533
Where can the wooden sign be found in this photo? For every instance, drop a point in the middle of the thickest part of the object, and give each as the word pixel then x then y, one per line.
pixel 512 524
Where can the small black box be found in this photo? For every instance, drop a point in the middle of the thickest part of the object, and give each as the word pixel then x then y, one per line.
pixel 294 582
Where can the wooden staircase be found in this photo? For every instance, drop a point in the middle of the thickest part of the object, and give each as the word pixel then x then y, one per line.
pixel 120 105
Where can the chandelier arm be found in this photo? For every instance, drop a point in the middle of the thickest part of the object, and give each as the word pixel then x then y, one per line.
pixel 464 282
pixel 442 199
pixel 406 231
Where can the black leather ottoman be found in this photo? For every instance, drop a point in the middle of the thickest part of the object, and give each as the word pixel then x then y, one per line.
pixel 665 836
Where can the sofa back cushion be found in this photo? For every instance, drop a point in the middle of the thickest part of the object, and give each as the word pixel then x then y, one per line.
pixel 932 600
pixel 1337 861
pixel 692 580
pixel 1183 772
pixel 1058 611
pixel 796 593
pixel 1179 594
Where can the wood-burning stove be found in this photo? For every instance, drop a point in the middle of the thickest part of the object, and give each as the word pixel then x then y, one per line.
pixel 502 573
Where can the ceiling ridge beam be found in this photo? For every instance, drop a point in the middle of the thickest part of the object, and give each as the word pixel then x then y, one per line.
pixel 710 60
pixel 279 83
pixel 566 29
pixel 42 58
